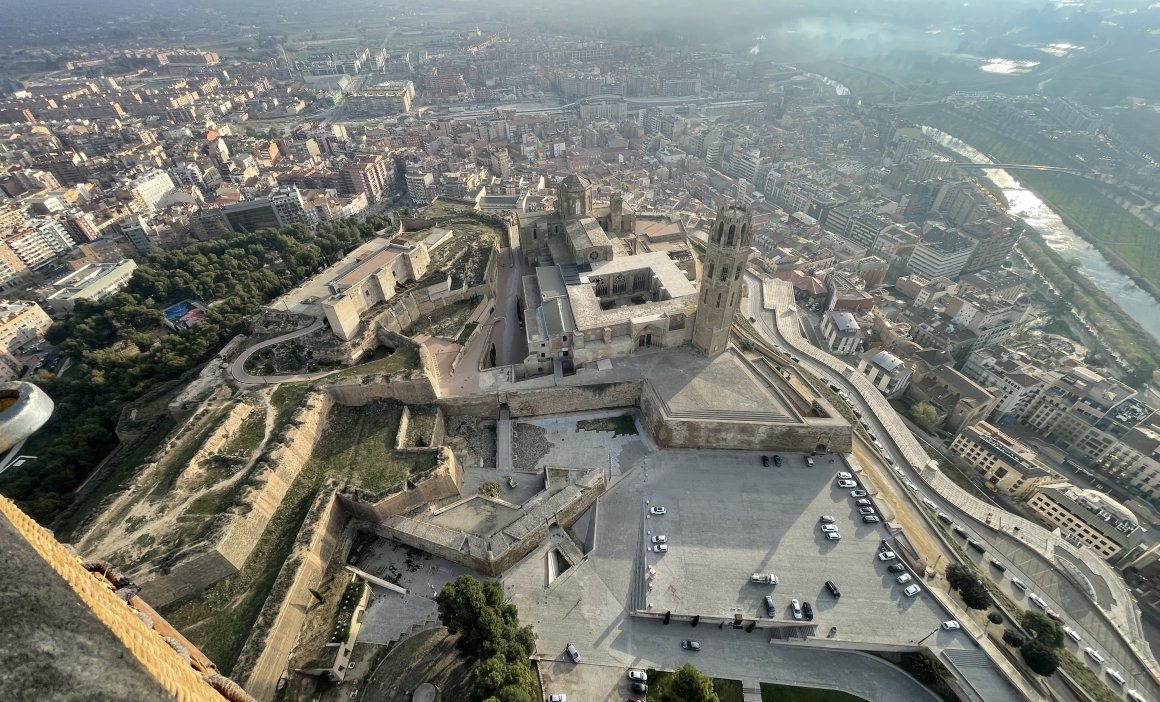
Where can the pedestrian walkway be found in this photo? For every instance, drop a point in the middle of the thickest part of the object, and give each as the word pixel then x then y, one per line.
pixel 1124 614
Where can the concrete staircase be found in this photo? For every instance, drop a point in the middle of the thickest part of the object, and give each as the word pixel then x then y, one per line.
pixel 503 442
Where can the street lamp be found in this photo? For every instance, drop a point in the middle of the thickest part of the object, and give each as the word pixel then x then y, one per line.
pixel 919 642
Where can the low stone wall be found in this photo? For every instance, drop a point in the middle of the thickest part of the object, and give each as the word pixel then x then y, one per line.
pixel 412 388
pixel 673 432
pixel 263 659
pixel 219 438
pixel 495 554
pixel 230 547
pixel 554 400
pixel 444 482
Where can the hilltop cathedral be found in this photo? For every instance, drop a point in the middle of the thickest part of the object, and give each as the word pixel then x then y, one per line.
pixel 609 282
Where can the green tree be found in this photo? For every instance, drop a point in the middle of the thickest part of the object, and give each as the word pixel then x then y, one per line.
pixel 491 488
pixel 1042 629
pixel 925 414
pixel 1039 657
pixel 925 670
pixel 969 586
pixel 1012 638
pixel 687 684
pixel 499 678
pixel 487 625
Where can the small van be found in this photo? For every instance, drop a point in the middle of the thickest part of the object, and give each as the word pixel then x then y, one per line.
pixel 809 461
pixel 833 589
pixel 1115 675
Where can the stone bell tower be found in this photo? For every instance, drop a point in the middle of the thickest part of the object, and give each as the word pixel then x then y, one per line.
pixel 726 255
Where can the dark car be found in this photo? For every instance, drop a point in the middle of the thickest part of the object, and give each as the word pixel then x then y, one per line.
pixel 808 611
pixel 833 589
pixel 998 565
pixel 834 387
pixel 896 568
pixel 639 687
pixel 765 461
pixel 770 610
pixel 691 645
pixel 959 530
pixel 776 459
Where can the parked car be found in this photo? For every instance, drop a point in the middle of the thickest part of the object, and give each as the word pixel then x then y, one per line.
pixel 691 645
pixel 560 697
pixel 572 653
pixel 912 486
pixel 834 536
pixel 770 610
pixel 1094 654
pixel 998 565
pixel 656 510
pixel 858 493
pixel 767 578
pixel 1072 634
pixel 765 461
pixel 952 625
pixel 904 578
pixel 1019 583
pixel 638 675
pixel 776 459
pixel 833 589
pixel 639 687
pixel 912 591
pixel 1037 600
pixel 826 519
pixel 870 519
pixel 835 388
pixel 660 548
pixel 660 539
pixel 808 611
pixel 845 476
pixel 865 510
pixel 887 556
pixel 896 568
pixel 863 502
pixel 829 528
pixel 960 531
pixel 797 609
pixel 847 484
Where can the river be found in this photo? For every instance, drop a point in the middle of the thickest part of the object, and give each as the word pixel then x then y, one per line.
pixel 1136 302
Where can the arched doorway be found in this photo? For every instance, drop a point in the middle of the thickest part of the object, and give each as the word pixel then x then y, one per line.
pixel 649 337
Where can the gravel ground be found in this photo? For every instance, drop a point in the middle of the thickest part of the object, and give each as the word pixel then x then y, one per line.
pixel 529 445
pixel 472 438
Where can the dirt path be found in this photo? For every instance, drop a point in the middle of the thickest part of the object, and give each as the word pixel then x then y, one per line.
pixel 159 518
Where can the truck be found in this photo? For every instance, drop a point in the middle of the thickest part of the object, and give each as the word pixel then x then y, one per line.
pixel 765 578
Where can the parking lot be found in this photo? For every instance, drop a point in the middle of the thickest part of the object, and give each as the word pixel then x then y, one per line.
pixel 729 517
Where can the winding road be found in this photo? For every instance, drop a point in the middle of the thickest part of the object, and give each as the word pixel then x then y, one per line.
pixel 238 367
pixel 1110 621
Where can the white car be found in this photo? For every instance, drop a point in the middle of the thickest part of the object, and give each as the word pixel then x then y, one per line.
pixel 1094 654
pixel 558 698
pixel 637 675
pixel 952 625
pixel 912 486
pixel 1072 634
pixel 904 578
pixel 847 484
pixel 660 539
pixel 887 556
pixel 834 536
pixel 660 548
pixel 898 470
pixel 829 528
pixel 912 591
pixel 797 608
pixel 656 510
pixel 845 476
pixel 827 519
pixel 1037 600
pixel 858 493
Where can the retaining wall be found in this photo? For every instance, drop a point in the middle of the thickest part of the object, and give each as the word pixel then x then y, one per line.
pixel 228 550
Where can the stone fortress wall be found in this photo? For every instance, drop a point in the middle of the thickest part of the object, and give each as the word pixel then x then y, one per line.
pixel 228 549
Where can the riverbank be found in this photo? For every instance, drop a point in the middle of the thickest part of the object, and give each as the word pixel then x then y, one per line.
pixel 1128 243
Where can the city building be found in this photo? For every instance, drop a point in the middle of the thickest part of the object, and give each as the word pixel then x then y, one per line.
pixel 1005 465
pixel 1086 517
pixel 147 190
pixel 841 332
pixel 885 371
pixel 958 400
pixel 22 322
pixel 282 207
pixel 94 281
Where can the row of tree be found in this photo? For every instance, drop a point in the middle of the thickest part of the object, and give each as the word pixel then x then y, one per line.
pixel 121 347
pixel 489 631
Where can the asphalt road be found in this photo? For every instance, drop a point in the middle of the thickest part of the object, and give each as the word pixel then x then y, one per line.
pixel 1023 562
